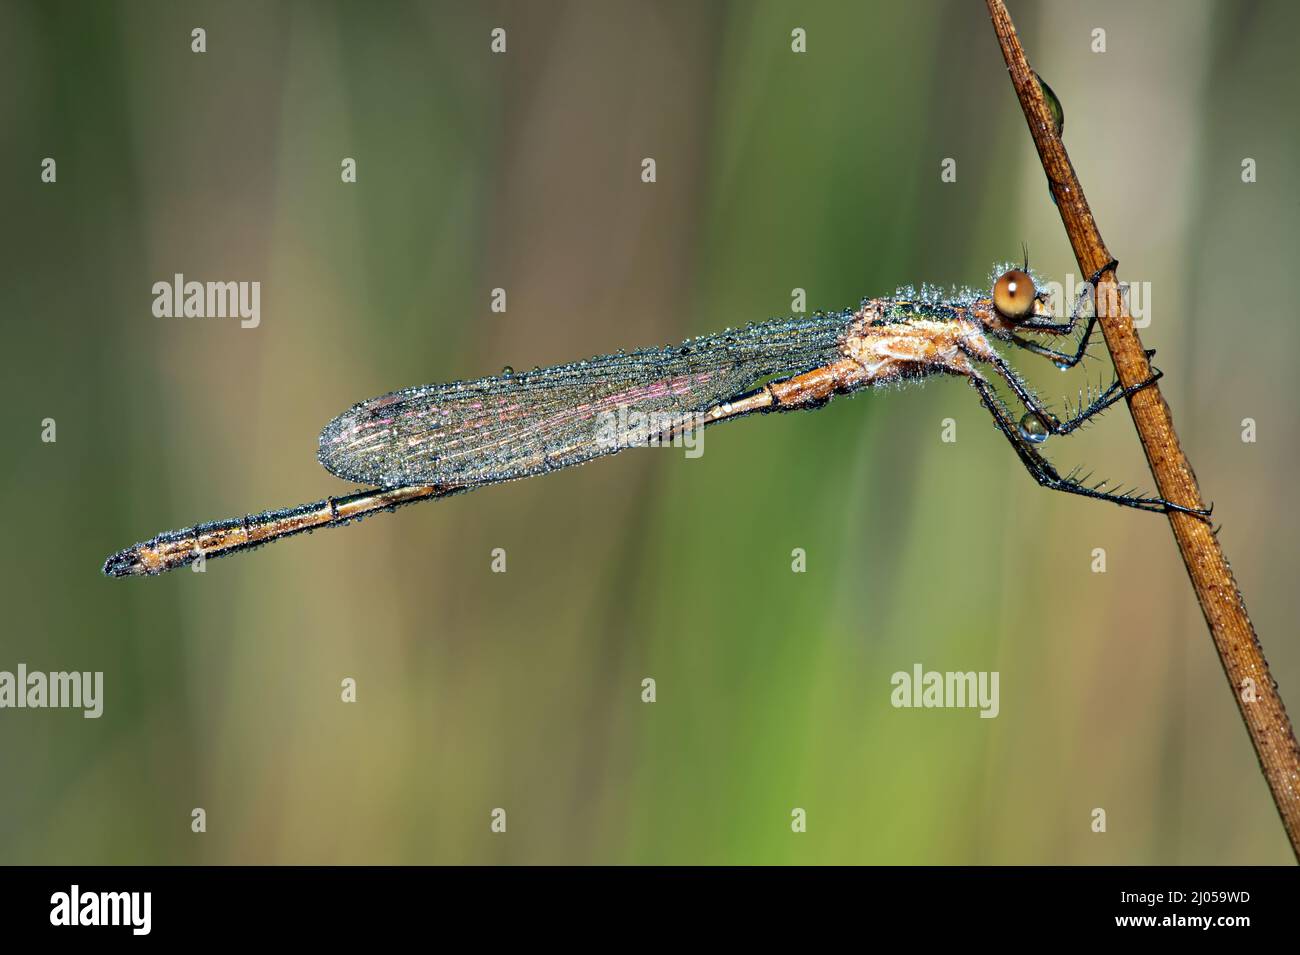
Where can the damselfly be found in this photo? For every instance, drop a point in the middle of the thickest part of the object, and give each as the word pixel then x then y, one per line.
pixel 439 440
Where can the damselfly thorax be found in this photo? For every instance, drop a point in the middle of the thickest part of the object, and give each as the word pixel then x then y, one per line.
pixel 438 440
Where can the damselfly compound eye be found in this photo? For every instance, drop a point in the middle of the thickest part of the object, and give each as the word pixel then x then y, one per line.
pixel 1014 294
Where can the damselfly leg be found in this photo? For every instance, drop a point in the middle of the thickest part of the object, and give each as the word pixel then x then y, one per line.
pixel 1046 474
pixel 1054 425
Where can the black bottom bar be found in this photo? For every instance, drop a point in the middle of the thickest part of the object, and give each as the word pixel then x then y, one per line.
pixel 979 905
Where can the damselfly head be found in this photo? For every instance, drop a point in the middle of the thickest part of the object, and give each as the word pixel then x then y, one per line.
pixel 1014 295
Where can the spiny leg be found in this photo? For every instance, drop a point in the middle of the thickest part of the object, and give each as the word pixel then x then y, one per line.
pixel 1062 360
pixel 1103 400
pixel 1050 421
pixel 1046 474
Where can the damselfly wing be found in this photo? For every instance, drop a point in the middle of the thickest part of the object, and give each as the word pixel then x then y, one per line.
pixel 513 426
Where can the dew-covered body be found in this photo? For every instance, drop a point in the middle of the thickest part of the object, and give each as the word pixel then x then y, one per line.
pixel 437 440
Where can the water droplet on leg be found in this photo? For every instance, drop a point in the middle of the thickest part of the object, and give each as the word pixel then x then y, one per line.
pixel 1032 429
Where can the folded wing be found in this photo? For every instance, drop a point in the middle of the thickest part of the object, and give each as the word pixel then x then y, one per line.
pixel 513 426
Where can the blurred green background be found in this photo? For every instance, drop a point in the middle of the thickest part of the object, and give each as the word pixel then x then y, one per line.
pixel 522 690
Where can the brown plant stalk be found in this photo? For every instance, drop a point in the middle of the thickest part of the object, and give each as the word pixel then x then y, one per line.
pixel 1217 592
